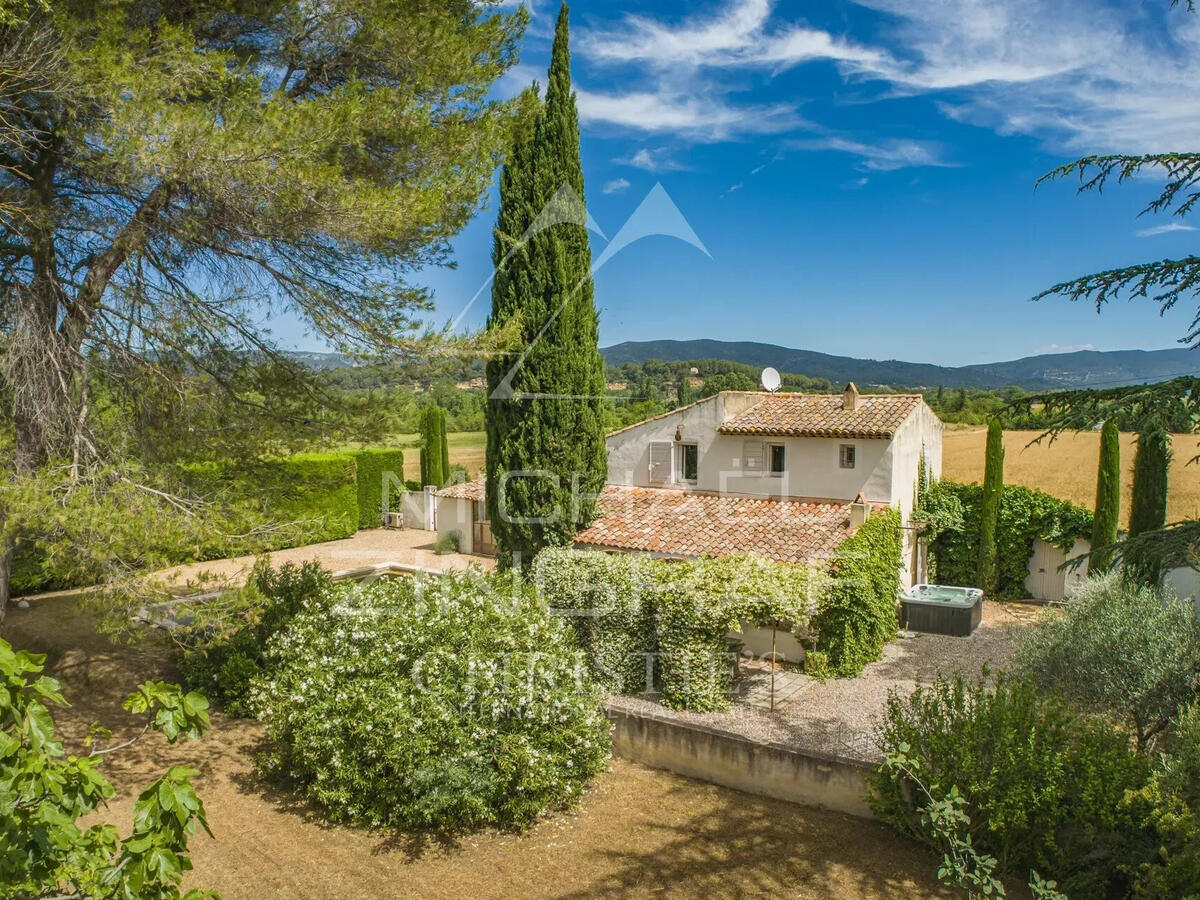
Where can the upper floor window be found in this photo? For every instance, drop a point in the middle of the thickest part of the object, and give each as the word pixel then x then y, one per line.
pixel 846 456
pixel 777 459
pixel 689 462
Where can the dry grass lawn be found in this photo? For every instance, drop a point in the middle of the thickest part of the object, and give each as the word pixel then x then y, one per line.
pixel 1066 468
pixel 639 832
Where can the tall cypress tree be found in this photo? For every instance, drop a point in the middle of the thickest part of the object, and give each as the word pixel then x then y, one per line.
pixel 993 486
pixel 1108 497
pixel 435 458
pixel 545 423
pixel 1148 506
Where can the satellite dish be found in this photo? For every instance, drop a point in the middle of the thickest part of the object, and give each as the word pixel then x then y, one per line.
pixel 770 379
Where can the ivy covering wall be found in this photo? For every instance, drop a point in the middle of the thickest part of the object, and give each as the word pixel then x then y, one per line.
pixel 953 513
pixel 627 610
pixel 858 616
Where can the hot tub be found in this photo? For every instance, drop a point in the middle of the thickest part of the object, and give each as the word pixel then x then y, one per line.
pixel 941 609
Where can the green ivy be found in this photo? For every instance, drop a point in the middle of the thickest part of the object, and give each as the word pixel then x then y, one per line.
pixel 858 617
pixel 953 514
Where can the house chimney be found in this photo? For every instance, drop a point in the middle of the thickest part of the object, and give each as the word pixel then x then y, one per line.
pixel 850 397
pixel 860 511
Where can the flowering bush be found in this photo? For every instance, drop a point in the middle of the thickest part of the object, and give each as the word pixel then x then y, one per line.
pixel 450 701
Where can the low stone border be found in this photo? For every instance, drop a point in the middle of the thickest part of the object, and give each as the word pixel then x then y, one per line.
pixel 767 769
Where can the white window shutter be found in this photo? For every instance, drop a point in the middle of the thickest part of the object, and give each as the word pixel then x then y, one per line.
pixel 752 456
pixel 660 462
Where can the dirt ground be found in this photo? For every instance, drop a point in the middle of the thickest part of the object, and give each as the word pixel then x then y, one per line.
pixel 639 832
pixel 1067 467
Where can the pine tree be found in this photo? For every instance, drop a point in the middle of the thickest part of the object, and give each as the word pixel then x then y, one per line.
pixel 993 486
pixel 544 410
pixel 1108 497
pixel 1148 506
pixel 435 459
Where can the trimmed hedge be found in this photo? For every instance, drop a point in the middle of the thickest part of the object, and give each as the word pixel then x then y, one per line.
pixel 1026 515
pixel 626 609
pixel 316 491
pixel 858 616
pixel 371 467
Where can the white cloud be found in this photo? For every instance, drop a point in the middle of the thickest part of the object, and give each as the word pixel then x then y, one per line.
pixel 1079 75
pixel 616 186
pixel 653 159
pixel 1062 348
pixel 697 116
pixel 1165 229
pixel 733 187
pixel 880 156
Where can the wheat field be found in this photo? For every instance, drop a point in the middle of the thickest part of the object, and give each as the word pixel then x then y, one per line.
pixel 1066 468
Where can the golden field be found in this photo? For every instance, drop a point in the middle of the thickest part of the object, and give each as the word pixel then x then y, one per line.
pixel 1066 468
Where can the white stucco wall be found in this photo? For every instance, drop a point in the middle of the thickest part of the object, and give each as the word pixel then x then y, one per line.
pixel 457 515
pixel 812 468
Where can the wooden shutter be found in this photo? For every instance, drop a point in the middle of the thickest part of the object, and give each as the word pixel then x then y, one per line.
pixel 752 456
pixel 660 462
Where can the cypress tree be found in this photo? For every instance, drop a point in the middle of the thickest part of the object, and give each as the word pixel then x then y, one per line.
pixel 544 409
pixel 684 392
pixel 1108 497
pixel 993 486
pixel 435 460
pixel 1148 506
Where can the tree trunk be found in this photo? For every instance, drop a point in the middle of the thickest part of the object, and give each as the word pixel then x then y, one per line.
pixel 6 558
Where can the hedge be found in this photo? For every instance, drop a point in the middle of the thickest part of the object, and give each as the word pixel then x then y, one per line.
pixel 1026 515
pixel 858 616
pixel 371 468
pixel 626 609
pixel 271 504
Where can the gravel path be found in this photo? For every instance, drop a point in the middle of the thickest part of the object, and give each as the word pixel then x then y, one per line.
pixel 838 716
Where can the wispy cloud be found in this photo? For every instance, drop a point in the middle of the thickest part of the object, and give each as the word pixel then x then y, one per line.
pixel 880 156
pixel 653 159
pixel 1165 229
pixel 733 187
pixel 616 186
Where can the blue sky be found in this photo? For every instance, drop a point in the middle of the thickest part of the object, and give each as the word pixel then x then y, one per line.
pixel 862 174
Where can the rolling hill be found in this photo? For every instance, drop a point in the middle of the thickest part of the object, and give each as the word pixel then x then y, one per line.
pixel 1081 369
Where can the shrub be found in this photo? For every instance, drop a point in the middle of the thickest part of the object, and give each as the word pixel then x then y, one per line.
pixel 376 471
pixel 1044 787
pixel 1121 649
pixel 858 616
pixel 450 542
pixel 225 656
pixel 454 702
pixel 953 512
pixel 605 597
pixel 679 611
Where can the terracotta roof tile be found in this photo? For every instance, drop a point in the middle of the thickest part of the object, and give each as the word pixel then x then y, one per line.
pixel 467 490
pixel 678 523
pixel 822 415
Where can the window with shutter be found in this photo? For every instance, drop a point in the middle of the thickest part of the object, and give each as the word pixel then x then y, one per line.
pixel 752 456
pixel 660 462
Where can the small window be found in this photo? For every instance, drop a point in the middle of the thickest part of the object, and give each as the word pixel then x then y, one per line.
pixel 846 456
pixel 778 459
pixel 689 462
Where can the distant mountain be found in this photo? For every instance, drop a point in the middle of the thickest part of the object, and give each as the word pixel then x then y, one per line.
pixel 315 360
pixel 1084 368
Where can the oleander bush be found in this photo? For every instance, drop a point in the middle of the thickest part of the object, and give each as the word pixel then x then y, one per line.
pixel 225 650
pixel 859 615
pixel 454 701
pixel 626 609
pixel 1045 788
